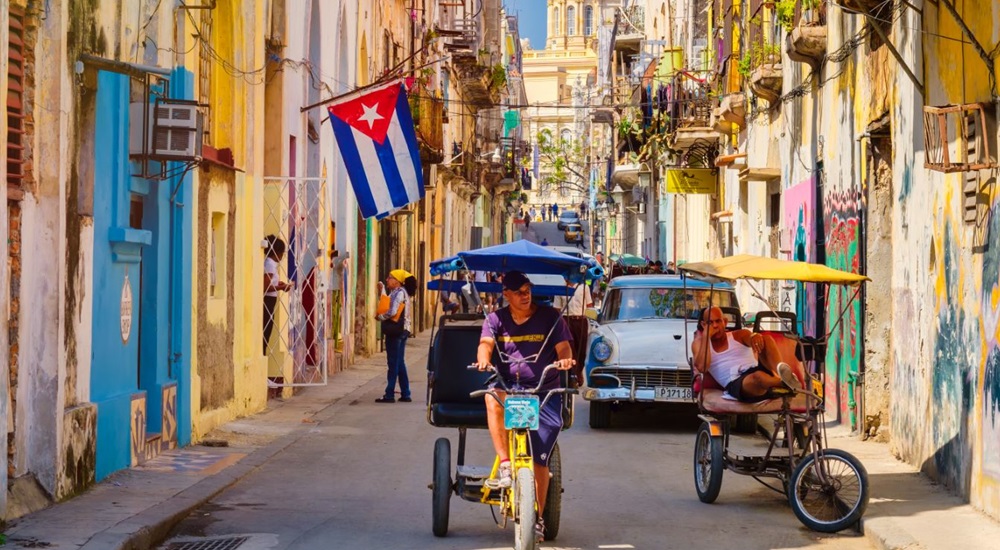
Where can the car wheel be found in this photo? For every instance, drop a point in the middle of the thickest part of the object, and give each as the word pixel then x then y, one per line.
pixel 600 415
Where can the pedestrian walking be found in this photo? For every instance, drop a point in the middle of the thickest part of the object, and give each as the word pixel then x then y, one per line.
pixel 532 212
pixel 583 209
pixel 527 220
pixel 555 211
pixel 545 212
pixel 397 323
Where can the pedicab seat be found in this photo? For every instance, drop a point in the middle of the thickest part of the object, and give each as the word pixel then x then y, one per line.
pixel 711 393
pixel 449 382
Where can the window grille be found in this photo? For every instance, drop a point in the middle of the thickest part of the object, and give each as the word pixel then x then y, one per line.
pixel 15 100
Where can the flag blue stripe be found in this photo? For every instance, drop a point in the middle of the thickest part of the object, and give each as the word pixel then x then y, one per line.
pixel 406 121
pixel 355 168
pixel 393 179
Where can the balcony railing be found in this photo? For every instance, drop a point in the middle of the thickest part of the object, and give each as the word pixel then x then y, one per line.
pixel 428 114
pixel 691 101
pixel 632 20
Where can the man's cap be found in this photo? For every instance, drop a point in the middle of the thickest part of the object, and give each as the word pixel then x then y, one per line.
pixel 514 280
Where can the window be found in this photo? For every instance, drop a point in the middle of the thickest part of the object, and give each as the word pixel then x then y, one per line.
pixel 217 276
pixel 555 21
pixel 566 136
pixel 205 72
pixel 571 21
pixel 625 304
pixel 15 99
pixel 588 20
pixel 775 210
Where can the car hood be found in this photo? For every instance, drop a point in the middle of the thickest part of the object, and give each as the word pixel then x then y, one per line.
pixel 649 342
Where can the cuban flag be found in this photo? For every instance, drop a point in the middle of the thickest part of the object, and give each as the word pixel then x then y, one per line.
pixel 378 145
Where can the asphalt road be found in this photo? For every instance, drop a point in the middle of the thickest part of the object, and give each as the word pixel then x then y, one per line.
pixel 359 480
pixel 555 236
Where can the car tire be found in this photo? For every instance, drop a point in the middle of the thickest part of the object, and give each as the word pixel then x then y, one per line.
pixel 600 415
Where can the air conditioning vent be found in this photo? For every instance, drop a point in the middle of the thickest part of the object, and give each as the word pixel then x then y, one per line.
pixel 173 130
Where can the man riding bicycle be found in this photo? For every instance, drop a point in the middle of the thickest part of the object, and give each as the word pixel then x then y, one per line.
pixel 531 337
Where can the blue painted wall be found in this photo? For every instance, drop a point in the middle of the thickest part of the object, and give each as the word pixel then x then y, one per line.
pixel 157 260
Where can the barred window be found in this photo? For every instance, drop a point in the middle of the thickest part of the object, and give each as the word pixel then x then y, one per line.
pixel 205 71
pixel 15 100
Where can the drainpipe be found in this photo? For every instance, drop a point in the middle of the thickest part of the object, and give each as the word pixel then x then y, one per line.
pixel 856 380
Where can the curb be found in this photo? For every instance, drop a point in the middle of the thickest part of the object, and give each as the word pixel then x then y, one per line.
pixel 884 533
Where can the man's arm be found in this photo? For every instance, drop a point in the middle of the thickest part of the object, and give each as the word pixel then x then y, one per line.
pixel 565 356
pixel 484 353
pixel 750 339
pixel 699 351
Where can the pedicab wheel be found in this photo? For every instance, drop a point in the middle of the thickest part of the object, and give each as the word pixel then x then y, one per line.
pixel 828 491
pixel 708 464
pixel 524 524
pixel 600 415
pixel 553 502
pixel 442 486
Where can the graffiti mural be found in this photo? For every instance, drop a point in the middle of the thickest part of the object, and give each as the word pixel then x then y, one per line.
pixel 799 207
pixel 841 212
pixel 991 373
pixel 954 382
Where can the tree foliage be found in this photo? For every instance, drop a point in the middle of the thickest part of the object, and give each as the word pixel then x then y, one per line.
pixel 563 163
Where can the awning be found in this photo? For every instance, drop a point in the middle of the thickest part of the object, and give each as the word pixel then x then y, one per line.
pixel 746 266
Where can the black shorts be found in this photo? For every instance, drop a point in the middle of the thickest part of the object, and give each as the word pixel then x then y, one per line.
pixel 735 388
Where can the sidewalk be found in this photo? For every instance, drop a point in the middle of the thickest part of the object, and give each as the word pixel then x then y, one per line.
pixel 137 508
pixel 907 510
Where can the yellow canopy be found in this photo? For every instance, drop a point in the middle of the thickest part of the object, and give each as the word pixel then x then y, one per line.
pixel 746 266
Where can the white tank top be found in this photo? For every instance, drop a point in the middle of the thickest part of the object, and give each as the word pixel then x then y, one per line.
pixel 727 365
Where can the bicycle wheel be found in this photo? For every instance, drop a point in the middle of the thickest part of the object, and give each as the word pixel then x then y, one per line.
pixel 442 486
pixel 708 464
pixel 553 502
pixel 828 491
pixel 524 523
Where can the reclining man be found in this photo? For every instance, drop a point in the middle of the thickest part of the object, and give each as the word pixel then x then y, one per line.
pixel 747 364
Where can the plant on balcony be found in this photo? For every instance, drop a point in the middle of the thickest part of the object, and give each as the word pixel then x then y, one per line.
pixel 758 54
pixel 498 77
pixel 785 12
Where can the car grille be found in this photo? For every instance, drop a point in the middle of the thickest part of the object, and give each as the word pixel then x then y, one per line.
pixel 647 378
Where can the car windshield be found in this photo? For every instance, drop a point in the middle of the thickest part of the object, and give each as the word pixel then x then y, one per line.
pixel 574 227
pixel 630 304
pixel 569 216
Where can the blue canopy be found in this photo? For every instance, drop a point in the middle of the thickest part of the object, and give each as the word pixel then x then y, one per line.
pixel 451 285
pixel 523 256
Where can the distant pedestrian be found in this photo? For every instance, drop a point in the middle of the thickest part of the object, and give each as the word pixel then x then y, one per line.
pixel 527 220
pixel 555 211
pixel 545 212
pixel 532 212
pixel 545 242
pixel 583 209
pixel 272 283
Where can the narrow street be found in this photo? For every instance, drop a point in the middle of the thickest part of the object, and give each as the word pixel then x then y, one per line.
pixel 555 236
pixel 358 479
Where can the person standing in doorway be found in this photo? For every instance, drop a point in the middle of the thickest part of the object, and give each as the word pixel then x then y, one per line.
pixel 397 324
pixel 273 284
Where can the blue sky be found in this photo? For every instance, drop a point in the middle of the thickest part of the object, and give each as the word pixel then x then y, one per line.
pixel 531 19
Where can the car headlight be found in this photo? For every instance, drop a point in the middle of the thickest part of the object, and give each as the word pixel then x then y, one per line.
pixel 601 350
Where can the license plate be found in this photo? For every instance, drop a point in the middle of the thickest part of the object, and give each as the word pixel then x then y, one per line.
pixel 672 393
pixel 521 412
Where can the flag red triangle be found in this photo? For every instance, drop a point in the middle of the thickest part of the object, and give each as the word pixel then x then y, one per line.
pixel 370 113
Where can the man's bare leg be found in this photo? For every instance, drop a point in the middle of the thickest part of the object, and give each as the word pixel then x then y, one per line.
pixel 541 486
pixel 498 434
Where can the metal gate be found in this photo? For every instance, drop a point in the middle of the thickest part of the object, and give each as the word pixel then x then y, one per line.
pixel 297 324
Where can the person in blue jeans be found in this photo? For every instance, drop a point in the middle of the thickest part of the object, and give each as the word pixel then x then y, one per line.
pixel 402 287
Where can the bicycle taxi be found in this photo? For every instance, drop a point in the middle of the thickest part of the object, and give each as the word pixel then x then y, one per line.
pixel 456 393
pixel 826 488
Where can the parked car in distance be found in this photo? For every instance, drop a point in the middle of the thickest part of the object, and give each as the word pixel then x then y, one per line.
pixel 639 347
pixel 573 251
pixel 567 217
pixel 573 233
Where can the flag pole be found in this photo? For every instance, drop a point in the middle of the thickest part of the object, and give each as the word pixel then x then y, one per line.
pixel 387 80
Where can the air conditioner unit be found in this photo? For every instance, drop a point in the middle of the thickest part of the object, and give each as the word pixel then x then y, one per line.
pixel 173 130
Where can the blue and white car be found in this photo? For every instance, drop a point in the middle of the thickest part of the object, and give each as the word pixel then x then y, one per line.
pixel 638 348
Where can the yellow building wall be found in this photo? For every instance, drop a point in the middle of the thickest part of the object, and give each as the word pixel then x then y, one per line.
pixel 235 123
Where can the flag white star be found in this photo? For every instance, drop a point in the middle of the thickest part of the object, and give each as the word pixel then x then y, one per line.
pixel 371 115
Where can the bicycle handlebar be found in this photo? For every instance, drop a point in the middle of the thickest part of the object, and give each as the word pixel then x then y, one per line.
pixel 536 390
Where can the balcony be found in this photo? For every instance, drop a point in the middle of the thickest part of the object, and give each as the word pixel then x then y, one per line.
pixel 428 116
pixel 806 38
pixel 731 110
pixel 690 110
pixel 631 29
pixel 766 81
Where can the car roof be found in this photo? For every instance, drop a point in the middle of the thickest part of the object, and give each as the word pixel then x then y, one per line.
pixel 574 224
pixel 569 213
pixel 672 281
pixel 572 251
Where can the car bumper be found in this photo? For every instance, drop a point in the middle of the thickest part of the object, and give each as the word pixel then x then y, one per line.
pixel 640 385
pixel 638 395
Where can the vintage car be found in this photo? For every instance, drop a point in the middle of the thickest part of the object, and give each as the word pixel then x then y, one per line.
pixel 638 348
pixel 573 233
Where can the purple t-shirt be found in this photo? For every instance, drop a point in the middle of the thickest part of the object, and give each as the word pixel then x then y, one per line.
pixel 517 342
